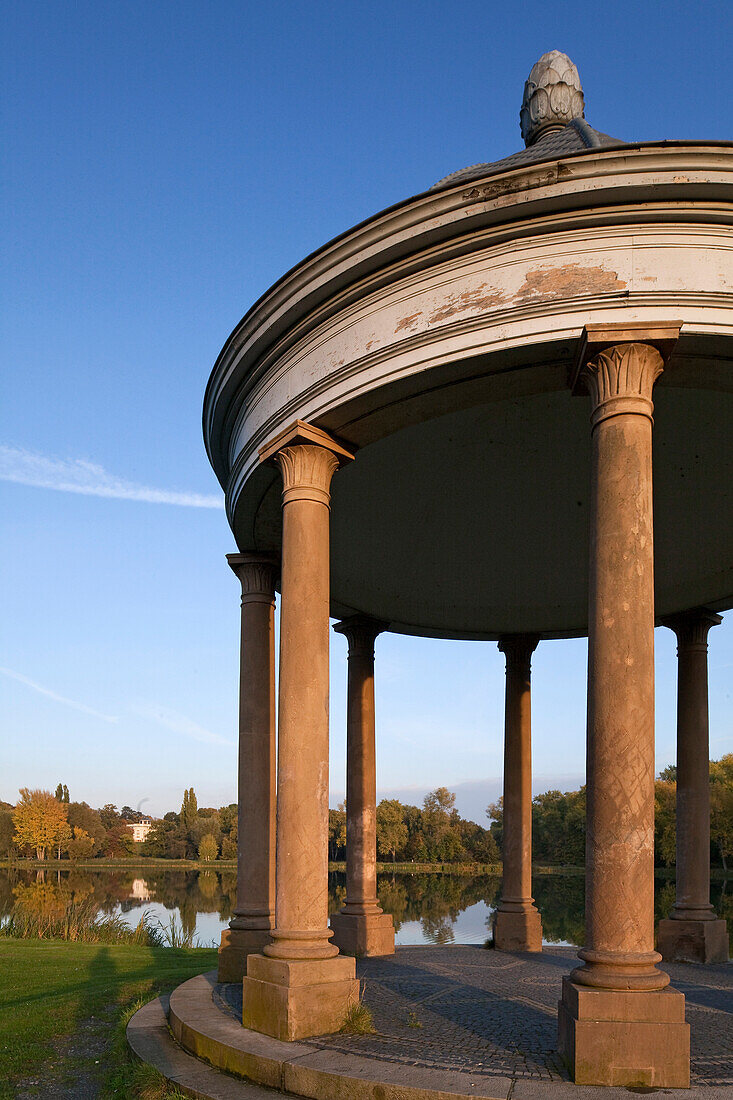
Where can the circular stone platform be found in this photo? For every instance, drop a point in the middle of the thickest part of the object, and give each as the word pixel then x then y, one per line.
pixel 453 1021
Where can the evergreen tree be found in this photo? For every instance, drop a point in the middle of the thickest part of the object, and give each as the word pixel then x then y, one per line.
pixel 189 808
pixel 59 793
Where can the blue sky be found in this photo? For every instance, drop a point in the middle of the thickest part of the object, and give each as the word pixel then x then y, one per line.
pixel 163 165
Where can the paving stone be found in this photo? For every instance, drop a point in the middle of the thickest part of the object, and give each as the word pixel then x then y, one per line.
pixel 470 1010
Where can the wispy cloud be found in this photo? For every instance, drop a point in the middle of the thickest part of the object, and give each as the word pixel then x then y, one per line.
pixel 178 723
pixel 77 475
pixel 55 696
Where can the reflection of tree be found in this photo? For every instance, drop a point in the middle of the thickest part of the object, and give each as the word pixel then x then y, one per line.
pixel 7 897
pixel 393 898
pixel 561 902
pixel 493 891
pixel 433 900
pixel 208 885
pixel 228 897
pixel 336 891
pixel 188 913
pixel 664 899
pixel 438 929
pixel 43 900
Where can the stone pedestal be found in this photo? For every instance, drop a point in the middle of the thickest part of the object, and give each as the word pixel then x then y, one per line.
pixel 292 999
pixel 622 1037
pixel 361 928
pixel 693 941
pixel 619 1025
pixel 254 910
pixel 517 924
pixel 520 931
pixel 692 933
pixel 361 934
pixel 300 985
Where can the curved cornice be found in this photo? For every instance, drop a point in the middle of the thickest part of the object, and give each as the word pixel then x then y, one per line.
pixel 641 178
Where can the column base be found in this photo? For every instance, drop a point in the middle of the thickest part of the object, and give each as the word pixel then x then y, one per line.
pixel 620 1037
pixel 236 944
pixel 294 999
pixel 363 934
pixel 517 931
pixel 694 941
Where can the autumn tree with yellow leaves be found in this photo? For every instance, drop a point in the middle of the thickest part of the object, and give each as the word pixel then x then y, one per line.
pixel 40 821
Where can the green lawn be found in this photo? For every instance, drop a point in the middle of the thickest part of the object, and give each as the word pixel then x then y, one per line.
pixel 53 993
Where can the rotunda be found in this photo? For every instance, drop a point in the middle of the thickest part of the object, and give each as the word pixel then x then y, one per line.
pixel 440 424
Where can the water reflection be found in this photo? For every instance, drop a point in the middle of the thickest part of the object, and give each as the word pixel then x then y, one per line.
pixel 438 909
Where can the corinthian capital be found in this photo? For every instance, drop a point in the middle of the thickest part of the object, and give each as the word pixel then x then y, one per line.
pixel 257 574
pixel 307 473
pixel 620 380
pixel 518 649
pixel 307 458
pixel 691 627
pixel 618 364
pixel 361 632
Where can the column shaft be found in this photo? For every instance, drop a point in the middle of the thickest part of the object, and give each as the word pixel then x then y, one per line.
pixel 693 780
pixel 254 910
pixel 619 907
pixel 361 788
pixel 693 934
pixel 618 1024
pixel 517 924
pixel 255 906
pixel 361 928
pixel 300 985
pixel 302 803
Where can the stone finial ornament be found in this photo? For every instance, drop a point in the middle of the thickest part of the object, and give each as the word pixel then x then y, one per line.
pixel 553 96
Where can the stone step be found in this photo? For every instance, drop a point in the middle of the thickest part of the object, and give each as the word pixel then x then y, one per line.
pixel 307 1071
pixel 152 1042
pixel 208 1045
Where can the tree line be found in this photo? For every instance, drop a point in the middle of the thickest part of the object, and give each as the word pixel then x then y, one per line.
pixel 194 832
pixel 558 820
pixel 721 813
pixel 437 833
pixel 52 826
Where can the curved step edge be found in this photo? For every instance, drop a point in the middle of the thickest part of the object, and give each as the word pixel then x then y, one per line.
pixel 317 1074
pixel 150 1040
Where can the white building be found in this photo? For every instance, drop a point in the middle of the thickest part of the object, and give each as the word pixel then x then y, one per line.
pixel 140 829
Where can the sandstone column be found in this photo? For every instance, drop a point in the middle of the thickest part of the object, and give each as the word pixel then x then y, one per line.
pixel 618 1024
pixel 361 928
pixel 692 933
pixel 517 925
pixel 300 985
pixel 254 913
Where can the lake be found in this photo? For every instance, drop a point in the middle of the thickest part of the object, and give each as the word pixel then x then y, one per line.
pixel 427 908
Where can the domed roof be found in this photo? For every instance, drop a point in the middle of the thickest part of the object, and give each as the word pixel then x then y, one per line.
pixel 552 121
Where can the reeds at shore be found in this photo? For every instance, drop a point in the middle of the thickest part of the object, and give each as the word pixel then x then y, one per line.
pixel 81 922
